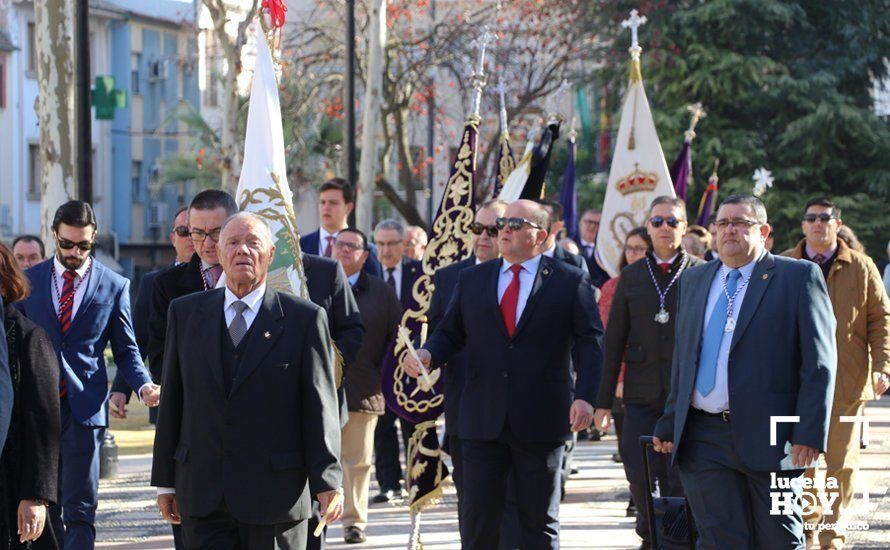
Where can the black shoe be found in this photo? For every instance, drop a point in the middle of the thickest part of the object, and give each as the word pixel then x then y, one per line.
pixel 616 457
pixel 384 496
pixel 631 510
pixel 594 435
pixel 354 535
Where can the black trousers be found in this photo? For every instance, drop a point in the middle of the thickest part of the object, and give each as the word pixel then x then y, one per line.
pixel 221 531
pixel 487 467
pixel 455 448
pixel 387 463
pixel 640 420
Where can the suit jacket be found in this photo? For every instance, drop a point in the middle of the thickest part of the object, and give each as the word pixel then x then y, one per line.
pixel 311 244
pixel 444 283
pixel 259 445
pixel 381 314
pixel 6 396
pixel 633 335
pixel 102 317
pixel 563 255
pixel 525 380
pixel 411 271
pixel 598 275
pixel 329 289
pixel 31 455
pixel 174 282
pixel 781 361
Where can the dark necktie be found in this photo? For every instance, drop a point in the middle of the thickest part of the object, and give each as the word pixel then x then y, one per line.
pixel 390 278
pixel 238 326
pixel 819 259
pixel 510 301
pixel 66 310
pixel 665 267
pixel 328 246
pixel 588 251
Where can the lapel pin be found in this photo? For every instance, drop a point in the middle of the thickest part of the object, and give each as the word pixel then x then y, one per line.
pixel 765 276
pixel 267 335
pixel 546 271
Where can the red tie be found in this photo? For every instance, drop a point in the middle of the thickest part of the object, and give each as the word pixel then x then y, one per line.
pixel 327 249
pixel 510 300
pixel 665 267
pixel 66 307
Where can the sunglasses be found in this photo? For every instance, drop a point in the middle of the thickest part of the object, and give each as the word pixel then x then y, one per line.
pixel 350 246
pixel 515 224
pixel 181 231
pixel 477 229
pixel 823 217
pixel 657 221
pixel 200 235
pixel 65 244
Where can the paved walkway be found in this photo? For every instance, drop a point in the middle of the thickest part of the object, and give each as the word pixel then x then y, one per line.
pixel 592 515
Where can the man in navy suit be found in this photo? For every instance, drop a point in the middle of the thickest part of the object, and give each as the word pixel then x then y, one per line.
pixel 755 340
pixel 589 227
pixel 6 396
pixel 400 273
pixel 336 200
pixel 519 403
pixel 83 306
pixel 485 247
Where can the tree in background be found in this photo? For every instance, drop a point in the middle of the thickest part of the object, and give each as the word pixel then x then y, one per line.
pixel 786 84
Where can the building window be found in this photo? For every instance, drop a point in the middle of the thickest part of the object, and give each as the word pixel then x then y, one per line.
pixel 32 50
pixel 134 73
pixel 2 80
pixel 34 169
pixel 136 179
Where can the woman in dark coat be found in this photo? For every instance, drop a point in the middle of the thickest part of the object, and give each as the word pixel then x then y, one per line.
pixel 29 462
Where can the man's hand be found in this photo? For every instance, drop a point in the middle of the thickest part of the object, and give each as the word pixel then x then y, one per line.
pixel 169 509
pixel 118 405
pixel 324 502
pixel 151 395
pixel 410 366
pixel 580 415
pixel 619 390
pixel 882 382
pixel 802 456
pixel 601 419
pixel 31 520
pixel 662 446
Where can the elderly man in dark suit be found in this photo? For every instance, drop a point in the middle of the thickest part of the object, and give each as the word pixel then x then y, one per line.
pixel 641 335
pixel 751 386
pixel 233 478
pixel 519 403
pixel 381 314
pixel 485 247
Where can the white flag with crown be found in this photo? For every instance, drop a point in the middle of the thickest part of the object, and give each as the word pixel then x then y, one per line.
pixel 263 187
pixel 639 172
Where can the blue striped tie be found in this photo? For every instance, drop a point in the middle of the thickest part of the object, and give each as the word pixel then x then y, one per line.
pixel 710 348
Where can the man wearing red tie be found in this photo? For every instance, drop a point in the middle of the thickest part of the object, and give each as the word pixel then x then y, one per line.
pixel 519 404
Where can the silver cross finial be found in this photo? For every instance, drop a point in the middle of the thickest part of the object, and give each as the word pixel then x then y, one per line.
pixel 479 74
pixel 634 22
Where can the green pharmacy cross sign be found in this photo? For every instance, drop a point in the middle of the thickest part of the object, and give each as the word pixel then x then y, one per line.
pixel 106 99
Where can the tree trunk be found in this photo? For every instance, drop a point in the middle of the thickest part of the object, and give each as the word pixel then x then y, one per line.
pixel 364 207
pixel 230 167
pixel 406 163
pixel 54 46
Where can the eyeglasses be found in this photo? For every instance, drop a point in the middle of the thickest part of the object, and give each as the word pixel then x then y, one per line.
pixel 477 229
pixel 350 246
pixel 590 222
pixel 515 224
pixel 737 223
pixel 181 231
pixel 65 244
pixel 637 249
pixel 823 217
pixel 199 234
pixel 672 221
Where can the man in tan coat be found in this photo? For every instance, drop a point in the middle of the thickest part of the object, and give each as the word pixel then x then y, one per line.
pixel 862 310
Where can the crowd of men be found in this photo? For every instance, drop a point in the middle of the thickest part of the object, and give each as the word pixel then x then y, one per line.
pixel 258 440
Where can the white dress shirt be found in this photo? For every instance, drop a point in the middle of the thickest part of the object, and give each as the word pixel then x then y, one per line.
pixel 80 283
pixel 253 301
pixel 397 277
pixel 353 279
pixel 526 280
pixel 668 261
pixel 718 399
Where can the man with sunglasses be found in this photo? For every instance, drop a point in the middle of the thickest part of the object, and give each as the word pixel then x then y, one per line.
pixel 640 333
pixel 485 248
pixel 862 311
pixel 751 385
pixel 181 240
pixel 519 403
pixel 84 307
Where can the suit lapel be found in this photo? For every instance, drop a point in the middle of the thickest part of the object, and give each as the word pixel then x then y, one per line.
pixel 757 285
pixel 545 270
pixel 44 296
pixel 209 333
pixel 97 271
pixel 264 332
pixel 496 267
